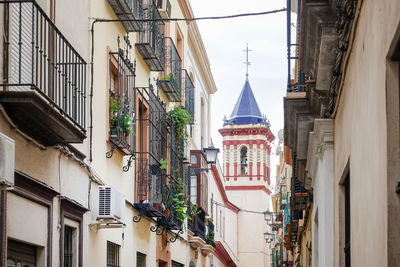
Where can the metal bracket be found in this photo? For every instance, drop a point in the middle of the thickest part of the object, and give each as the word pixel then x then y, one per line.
pixel 195 171
pixel 137 219
pixel 128 165
pixel 110 153
pixel 176 235
pixel 159 230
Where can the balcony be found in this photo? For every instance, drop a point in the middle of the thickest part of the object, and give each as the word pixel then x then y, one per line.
pixel 151 178
pixel 299 197
pixel 210 234
pixel 151 38
pixel 122 103
pixel 171 78
pixel 44 85
pixel 189 95
pixel 128 10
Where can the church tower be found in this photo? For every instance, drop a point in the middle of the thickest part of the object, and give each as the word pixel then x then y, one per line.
pixel 247 145
pixel 246 162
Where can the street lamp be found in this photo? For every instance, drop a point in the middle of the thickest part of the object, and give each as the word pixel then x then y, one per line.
pixel 269 237
pixel 211 154
pixel 268 215
pixel 211 158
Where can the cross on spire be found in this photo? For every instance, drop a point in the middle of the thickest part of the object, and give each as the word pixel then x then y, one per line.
pixel 247 50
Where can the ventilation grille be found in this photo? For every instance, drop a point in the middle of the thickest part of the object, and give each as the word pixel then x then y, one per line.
pixel 105 201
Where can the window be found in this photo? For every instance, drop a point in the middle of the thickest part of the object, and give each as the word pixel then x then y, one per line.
pixel 20 254
pixel 203 124
pixel 121 103
pixel 140 259
pixel 220 223
pixel 68 246
pixel 204 191
pixel 193 189
pixel 243 160
pixel 112 254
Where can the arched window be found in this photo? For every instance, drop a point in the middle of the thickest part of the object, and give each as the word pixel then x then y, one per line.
pixel 243 160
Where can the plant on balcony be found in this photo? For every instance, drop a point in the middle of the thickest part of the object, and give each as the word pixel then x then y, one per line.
pixel 210 239
pixel 168 77
pixel 193 209
pixel 208 219
pixel 120 121
pixel 179 117
pixel 175 202
pixel 163 164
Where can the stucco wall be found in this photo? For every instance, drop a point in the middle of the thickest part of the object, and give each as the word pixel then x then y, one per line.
pixel 360 136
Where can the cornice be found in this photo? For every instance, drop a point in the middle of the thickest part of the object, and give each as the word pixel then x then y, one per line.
pixel 198 50
pixel 320 139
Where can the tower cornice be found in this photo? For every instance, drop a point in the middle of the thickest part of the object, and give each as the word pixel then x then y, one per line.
pixel 265 131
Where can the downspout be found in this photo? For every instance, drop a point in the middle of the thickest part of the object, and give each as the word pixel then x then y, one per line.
pixel 288 41
pixel 91 94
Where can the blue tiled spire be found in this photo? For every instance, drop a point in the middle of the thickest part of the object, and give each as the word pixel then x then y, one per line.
pixel 246 110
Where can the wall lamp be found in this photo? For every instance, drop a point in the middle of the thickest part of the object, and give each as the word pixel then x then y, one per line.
pixel 211 158
pixel 269 237
pixel 268 215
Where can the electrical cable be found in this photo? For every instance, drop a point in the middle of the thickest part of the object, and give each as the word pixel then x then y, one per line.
pixel 240 210
pixel 195 19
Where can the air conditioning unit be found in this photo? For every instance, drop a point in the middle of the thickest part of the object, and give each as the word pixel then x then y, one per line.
pixel 7 159
pixel 111 204
pixel 164 7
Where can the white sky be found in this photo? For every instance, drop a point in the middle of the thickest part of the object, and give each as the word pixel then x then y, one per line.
pixel 224 41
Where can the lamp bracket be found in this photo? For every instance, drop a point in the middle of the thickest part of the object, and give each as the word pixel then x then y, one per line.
pixel 195 171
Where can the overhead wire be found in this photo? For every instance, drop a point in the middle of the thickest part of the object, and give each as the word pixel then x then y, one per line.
pixel 194 18
pixel 240 210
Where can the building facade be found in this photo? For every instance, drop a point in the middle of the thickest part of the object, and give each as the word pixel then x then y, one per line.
pixel 341 104
pixel 103 122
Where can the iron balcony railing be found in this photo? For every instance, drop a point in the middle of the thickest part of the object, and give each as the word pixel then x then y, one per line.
pixel 151 184
pixel 151 38
pixel 197 225
pixel 189 95
pixel 171 78
pixel 131 10
pixel 191 220
pixel 38 57
pixel 210 234
pixel 122 102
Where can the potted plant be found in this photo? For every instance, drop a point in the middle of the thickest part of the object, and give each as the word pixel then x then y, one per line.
pixel 121 121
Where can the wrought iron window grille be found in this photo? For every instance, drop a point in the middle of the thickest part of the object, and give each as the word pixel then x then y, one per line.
pixel 170 80
pixel 128 10
pixel 151 38
pixel 122 102
pixel 154 182
pixel 189 95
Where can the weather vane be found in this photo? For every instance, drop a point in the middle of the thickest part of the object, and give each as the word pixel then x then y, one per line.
pixel 247 61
